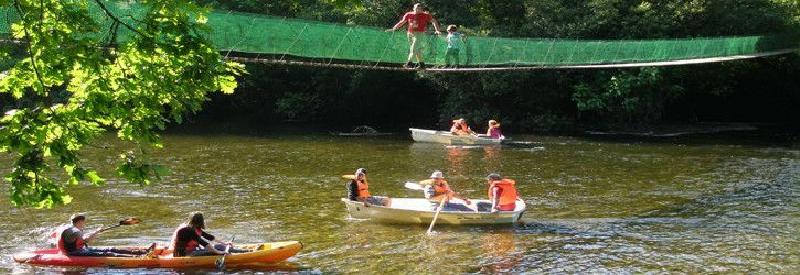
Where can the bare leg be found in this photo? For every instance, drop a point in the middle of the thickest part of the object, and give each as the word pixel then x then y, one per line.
pixel 412 46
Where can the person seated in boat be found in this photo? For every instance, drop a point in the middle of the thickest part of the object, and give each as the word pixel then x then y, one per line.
pixel 460 128
pixel 437 189
pixel 494 130
pixel 358 190
pixel 73 241
pixel 502 194
pixel 190 239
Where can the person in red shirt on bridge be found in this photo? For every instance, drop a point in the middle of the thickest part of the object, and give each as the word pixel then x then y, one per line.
pixel 417 21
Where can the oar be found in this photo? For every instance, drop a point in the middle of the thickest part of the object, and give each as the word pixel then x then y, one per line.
pixel 414 186
pixel 436 216
pixel 128 221
pixel 221 260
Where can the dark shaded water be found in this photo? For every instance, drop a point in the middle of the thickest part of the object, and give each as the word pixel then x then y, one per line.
pixel 594 206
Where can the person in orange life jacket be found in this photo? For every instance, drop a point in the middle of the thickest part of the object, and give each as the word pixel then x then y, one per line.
pixel 73 241
pixel 494 130
pixel 437 189
pixel 190 236
pixel 502 194
pixel 460 128
pixel 358 189
pixel 417 20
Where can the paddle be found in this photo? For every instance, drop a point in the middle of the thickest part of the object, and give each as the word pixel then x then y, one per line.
pixel 221 260
pixel 128 221
pixel 436 216
pixel 414 186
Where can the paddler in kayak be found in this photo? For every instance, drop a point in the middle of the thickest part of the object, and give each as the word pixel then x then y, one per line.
pixel 460 128
pixel 502 194
pixel 73 241
pixel 358 190
pixel 436 189
pixel 190 236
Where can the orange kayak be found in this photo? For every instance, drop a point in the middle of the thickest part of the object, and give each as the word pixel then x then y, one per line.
pixel 265 253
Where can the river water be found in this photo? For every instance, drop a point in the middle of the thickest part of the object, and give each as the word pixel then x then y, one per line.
pixel 619 206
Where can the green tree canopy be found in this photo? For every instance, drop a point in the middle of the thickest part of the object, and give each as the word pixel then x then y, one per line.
pixel 68 86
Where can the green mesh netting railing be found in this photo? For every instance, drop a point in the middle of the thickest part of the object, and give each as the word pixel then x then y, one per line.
pixel 272 37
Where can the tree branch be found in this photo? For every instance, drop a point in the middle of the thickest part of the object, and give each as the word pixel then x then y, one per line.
pixel 113 17
pixel 30 43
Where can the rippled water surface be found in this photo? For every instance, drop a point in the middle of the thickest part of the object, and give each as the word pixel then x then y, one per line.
pixel 594 205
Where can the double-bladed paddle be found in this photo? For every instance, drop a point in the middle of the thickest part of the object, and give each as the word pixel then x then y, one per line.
pixel 221 260
pixel 128 221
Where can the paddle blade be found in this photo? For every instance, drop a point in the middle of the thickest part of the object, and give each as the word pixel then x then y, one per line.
pixel 414 186
pixel 130 221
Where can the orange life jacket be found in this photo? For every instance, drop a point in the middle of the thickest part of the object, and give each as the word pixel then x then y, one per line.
pixel 363 189
pixel 508 194
pixel 62 248
pixel 190 246
pixel 441 189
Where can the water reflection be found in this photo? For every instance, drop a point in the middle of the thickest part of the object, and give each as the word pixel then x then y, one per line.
pixel 500 252
pixel 491 158
pixel 456 157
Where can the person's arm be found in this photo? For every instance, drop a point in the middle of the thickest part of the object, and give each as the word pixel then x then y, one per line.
pixel 400 24
pixel 460 197
pixel 210 238
pixel 90 236
pixel 208 246
pixel 436 25
pixel 495 198
pixel 202 241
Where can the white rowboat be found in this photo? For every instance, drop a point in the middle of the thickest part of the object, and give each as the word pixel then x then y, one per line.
pixel 421 211
pixel 421 135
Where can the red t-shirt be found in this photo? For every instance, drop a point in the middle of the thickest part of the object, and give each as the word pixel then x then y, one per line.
pixel 417 22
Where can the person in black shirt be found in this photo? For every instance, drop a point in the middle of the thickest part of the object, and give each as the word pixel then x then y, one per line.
pixel 73 241
pixel 358 190
pixel 190 239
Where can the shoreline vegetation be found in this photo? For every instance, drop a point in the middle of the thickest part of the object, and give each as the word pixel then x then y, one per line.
pixel 170 71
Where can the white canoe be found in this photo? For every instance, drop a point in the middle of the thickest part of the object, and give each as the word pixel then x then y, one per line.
pixel 421 135
pixel 421 211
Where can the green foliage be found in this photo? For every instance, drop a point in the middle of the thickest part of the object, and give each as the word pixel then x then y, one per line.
pixel 630 96
pixel 523 101
pixel 70 86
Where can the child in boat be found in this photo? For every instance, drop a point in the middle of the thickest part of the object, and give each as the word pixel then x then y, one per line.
pixel 460 128
pixel 437 189
pixel 494 130
pixel 358 189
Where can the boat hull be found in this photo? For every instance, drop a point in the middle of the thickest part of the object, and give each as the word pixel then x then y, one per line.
pixel 421 211
pixel 266 253
pixel 421 135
